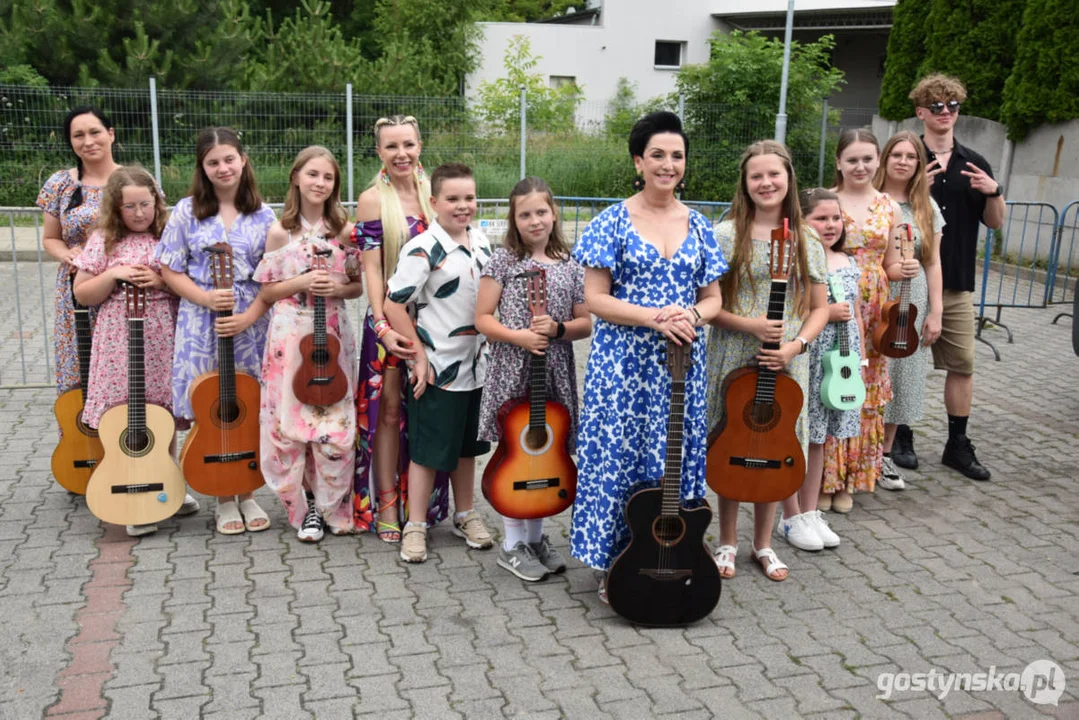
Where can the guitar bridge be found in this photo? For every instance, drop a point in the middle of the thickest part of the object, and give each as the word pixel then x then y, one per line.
pixel 848 398
pixel 538 484
pixel 229 457
pixel 666 574
pixel 136 488
pixel 757 463
pixel 85 463
pixel 321 380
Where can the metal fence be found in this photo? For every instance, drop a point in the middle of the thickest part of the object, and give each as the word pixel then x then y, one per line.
pixel 157 127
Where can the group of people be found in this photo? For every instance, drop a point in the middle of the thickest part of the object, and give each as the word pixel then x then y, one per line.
pixel 449 329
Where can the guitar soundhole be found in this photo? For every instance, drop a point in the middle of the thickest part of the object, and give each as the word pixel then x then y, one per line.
pixel 320 356
pixel 229 414
pixel 761 417
pixel 668 530
pixel 845 373
pixel 536 438
pixel 84 428
pixel 137 444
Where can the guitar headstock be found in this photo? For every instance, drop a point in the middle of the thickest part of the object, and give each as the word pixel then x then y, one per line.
pixel 135 299
pixel 537 291
pixel 781 257
pixel 221 265
pixel 679 358
pixel 904 240
pixel 319 259
pixel 839 292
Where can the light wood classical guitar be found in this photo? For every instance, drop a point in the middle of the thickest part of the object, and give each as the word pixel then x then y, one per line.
pixel 221 453
pixel 897 334
pixel 79 450
pixel 531 474
pixel 666 576
pixel 754 454
pixel 137 482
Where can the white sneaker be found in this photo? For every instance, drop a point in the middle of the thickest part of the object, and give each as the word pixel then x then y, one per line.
pixel 890 477
pixel 800 531
pixel 824 532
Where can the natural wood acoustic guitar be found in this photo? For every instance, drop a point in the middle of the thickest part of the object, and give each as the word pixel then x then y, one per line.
pixel 531 474
pixel 137 482
pixel 754 454
pixel 666 576
pixel 79 450
pixel 220 456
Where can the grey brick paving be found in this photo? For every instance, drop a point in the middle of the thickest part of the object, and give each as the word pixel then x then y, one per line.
pixel 951 574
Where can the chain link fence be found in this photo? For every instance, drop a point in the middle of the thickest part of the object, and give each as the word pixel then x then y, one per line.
pixel 590 159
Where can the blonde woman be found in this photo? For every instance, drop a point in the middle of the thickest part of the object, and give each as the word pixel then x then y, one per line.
pixel 395 208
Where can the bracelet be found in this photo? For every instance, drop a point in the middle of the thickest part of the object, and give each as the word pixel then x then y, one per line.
pixel 700 320
pixel 561 330
pixel 865 362
pixel 382 327
pixel 805 344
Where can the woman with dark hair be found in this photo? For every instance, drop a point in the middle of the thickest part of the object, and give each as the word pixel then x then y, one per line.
pixel 651 271
pixel 223 206
pixel 70 200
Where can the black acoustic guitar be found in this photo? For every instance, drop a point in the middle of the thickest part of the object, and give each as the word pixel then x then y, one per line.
pixel 666 576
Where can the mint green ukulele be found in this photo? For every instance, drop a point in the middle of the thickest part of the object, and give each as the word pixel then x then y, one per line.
pixel 842 387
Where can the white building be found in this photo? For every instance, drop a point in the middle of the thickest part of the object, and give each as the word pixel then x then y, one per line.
pixel 646 41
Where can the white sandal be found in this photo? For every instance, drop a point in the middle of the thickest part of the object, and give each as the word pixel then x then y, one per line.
pixel 724 555
pixel 774 563
pixel 252 512
pixel 226 512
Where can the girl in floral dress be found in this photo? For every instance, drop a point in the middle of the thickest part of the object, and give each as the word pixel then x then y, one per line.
pixel 224 206
pixel 534 242
pixel 870 219
pixel 395 209
pixel 122 250
pixel 308 451
pixel 766 195
pixel 70 200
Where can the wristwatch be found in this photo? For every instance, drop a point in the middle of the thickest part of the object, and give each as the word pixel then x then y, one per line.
pixel 805 344
pixel 998 192
pixel 561 330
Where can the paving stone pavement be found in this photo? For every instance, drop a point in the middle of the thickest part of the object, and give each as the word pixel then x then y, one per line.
pixel 950 575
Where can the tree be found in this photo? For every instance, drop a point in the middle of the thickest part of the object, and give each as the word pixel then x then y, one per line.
pixel 906 49
pixel 1044 82
pixel 739 88
pixel 549 109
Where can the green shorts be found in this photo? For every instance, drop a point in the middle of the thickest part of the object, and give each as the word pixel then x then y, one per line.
pixel 444 426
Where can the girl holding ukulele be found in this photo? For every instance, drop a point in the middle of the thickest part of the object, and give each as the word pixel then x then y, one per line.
pixel 121 249
pixel 765 197
pixel 308 451
pixel 534 242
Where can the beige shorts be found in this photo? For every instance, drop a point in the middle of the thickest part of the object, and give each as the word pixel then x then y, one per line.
pixel 954 349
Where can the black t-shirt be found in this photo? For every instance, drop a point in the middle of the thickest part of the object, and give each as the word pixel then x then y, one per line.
pixel 962 207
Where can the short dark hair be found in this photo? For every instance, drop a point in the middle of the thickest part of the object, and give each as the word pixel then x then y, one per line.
pixel 448 171
pixel 654 123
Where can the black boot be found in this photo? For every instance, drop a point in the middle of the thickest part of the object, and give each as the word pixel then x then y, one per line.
pixel 959 455
pixel 903 453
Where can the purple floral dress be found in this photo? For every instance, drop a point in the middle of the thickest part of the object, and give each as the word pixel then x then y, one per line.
pixel 509 369
pixel 374 359
pixel 183 249
pixel 75 227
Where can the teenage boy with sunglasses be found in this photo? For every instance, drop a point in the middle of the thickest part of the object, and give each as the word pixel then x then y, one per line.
pixel 961 181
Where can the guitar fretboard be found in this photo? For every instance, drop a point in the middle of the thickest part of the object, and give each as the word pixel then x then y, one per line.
pixel 672 474
pixel 766 379
pixel 226 369
pixel 538 393
pixel 136 385
pixel 84 342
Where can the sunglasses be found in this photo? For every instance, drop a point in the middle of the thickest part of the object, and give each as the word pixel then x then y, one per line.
pixel 938 107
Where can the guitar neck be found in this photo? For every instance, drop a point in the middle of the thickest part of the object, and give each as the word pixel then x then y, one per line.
pixel 320 322
pixel 84 341
pixel 904 297
pixel 766 379
pixel 538 393
pixel 136 383
pixel 672 474
pixel 226 368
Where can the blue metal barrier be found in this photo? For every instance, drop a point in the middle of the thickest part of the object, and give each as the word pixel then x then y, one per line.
pixel 1065 260
pixel 1011 277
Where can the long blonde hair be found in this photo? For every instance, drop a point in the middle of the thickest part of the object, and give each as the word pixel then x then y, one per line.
pixel 334 216
pixel 917 190
pixel 392 213
pixel 110 218
pixel 742 213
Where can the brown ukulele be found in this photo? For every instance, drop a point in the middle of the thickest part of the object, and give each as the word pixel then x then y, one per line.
pixel 531 474
pixel 220 456
pixel 79 450
pixel 319 379
pixel 897 336
pixel 754 454
pixel 137 482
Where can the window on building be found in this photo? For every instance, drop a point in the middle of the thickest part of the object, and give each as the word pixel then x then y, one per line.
pixel 558 81
pixel 669 53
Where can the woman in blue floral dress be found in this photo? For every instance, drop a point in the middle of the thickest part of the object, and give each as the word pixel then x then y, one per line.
pixel 651 271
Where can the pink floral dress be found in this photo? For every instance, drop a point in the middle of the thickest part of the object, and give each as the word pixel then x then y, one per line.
pixel 108 356
pixel 305 443
pixel 854 464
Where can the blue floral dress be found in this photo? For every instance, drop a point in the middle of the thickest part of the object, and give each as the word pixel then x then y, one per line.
pixel 622 438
